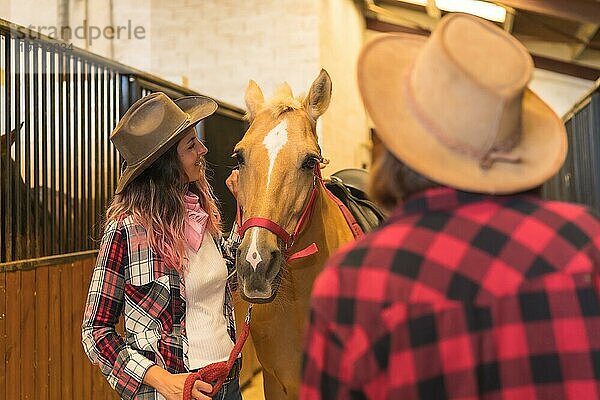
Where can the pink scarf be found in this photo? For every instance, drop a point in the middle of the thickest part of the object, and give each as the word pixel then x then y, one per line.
pixel 196 220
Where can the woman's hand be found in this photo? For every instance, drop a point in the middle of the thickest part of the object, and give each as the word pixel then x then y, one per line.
pixel 171 385
pixel 232 182
pixel 199 389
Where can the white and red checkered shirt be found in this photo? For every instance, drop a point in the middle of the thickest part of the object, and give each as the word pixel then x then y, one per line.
pixel 130 279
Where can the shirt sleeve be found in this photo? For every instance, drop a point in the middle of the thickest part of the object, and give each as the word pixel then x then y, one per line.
pixel 315 380
pixel 123 367
pixel 327 369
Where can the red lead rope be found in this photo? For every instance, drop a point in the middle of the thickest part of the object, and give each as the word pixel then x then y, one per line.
pixel 216 373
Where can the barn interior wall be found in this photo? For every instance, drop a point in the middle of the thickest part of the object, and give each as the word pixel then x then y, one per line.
pixel 345 129
pixel 30 12
pixel 560 91
pixel 215 46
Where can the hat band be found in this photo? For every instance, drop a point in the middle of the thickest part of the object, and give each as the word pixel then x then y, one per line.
pixel 485 161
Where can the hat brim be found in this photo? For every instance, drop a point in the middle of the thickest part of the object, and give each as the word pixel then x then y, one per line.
pixel 383 69
pixel 198 108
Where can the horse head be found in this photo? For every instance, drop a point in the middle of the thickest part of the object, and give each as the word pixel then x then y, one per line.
pixel 278 158
pixel 7 142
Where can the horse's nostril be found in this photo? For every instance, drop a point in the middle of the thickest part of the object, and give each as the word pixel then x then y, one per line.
pixel 272 266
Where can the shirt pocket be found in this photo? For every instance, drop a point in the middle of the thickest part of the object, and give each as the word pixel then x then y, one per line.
pixel 147 305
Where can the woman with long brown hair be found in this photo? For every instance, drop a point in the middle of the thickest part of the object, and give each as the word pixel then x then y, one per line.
pixel 159 264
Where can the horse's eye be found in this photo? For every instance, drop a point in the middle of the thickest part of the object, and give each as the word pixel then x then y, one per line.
pixel 310 162
pixel 238 158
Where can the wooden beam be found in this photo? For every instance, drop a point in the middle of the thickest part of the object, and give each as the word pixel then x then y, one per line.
pixel 549 64
pixel 509 21
pixel 432 9
pixel 566 68
pixel 576 10
pixel 585 32
pixel 382 26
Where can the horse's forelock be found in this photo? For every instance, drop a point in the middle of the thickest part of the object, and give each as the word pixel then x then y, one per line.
pixel 282 101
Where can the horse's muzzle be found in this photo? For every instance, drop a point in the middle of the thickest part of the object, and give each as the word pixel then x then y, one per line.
pixel 259 283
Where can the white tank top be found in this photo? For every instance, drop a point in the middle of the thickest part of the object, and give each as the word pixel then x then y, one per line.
pixel 206 325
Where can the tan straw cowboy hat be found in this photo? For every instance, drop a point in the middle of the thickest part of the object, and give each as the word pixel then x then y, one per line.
pixel 151 126
pixel 455 107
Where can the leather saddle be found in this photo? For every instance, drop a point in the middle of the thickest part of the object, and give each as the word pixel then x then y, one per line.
pixel 349 185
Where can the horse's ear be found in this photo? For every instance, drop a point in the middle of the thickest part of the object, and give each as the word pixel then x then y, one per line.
pixel 317 100
pixel 254 99
pixel 12 138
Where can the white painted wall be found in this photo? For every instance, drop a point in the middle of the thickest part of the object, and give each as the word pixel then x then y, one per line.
pixel 344 137
pixel 220 44
pixel 560 91
pixel 30 12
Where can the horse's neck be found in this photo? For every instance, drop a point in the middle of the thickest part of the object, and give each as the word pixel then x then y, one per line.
pixel 326 227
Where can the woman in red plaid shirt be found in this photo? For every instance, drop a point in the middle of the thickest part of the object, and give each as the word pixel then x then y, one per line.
pixel 474 288
pixel 159 264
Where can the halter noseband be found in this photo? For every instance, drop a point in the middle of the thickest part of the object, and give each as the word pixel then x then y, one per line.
pixel 288 240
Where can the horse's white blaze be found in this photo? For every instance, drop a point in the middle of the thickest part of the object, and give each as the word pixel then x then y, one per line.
pixel 253 256
pixel 274 142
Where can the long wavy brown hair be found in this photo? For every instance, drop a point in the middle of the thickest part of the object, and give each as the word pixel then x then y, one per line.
pixel 155 199
pixel 391 180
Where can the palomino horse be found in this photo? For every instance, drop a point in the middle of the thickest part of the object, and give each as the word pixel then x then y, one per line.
pixel 287 215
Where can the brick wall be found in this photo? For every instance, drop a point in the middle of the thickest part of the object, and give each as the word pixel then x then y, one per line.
pixel 220 44
pixel 26 12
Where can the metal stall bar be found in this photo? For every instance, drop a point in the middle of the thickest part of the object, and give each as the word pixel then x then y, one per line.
pixel 16 173
pixel 69 160
pixel 88 157
pixel 47 225
pixel 96 145
pixel 60 152
pixel 38 214
pixel 52 147
pixel 62 171
pixel 2 173
pixel 26 194
pixel 76 145
pixel 4 141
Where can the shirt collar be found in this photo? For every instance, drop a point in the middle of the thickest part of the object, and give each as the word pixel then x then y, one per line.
pixel 440 199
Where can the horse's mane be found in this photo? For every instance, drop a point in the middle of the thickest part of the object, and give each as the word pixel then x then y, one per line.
pixel 282 101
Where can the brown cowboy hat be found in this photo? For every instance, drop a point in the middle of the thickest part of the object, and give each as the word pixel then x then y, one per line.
pixel 151 126
pixel 456 108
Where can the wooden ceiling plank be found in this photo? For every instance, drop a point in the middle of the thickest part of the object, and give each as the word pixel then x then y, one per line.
pixel 585 32
pixel 550 64
pixel 432 9
pixel 509 20
pixel 576 10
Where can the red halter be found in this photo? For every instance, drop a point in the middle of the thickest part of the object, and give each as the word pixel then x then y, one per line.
pixel 288 240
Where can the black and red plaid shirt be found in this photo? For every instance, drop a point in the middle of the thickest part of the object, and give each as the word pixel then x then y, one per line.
pixel 461 296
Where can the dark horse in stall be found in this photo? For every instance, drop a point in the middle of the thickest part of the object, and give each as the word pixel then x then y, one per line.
pixel 22 233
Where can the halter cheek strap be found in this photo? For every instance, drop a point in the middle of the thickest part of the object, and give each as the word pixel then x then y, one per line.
pixel 288 240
